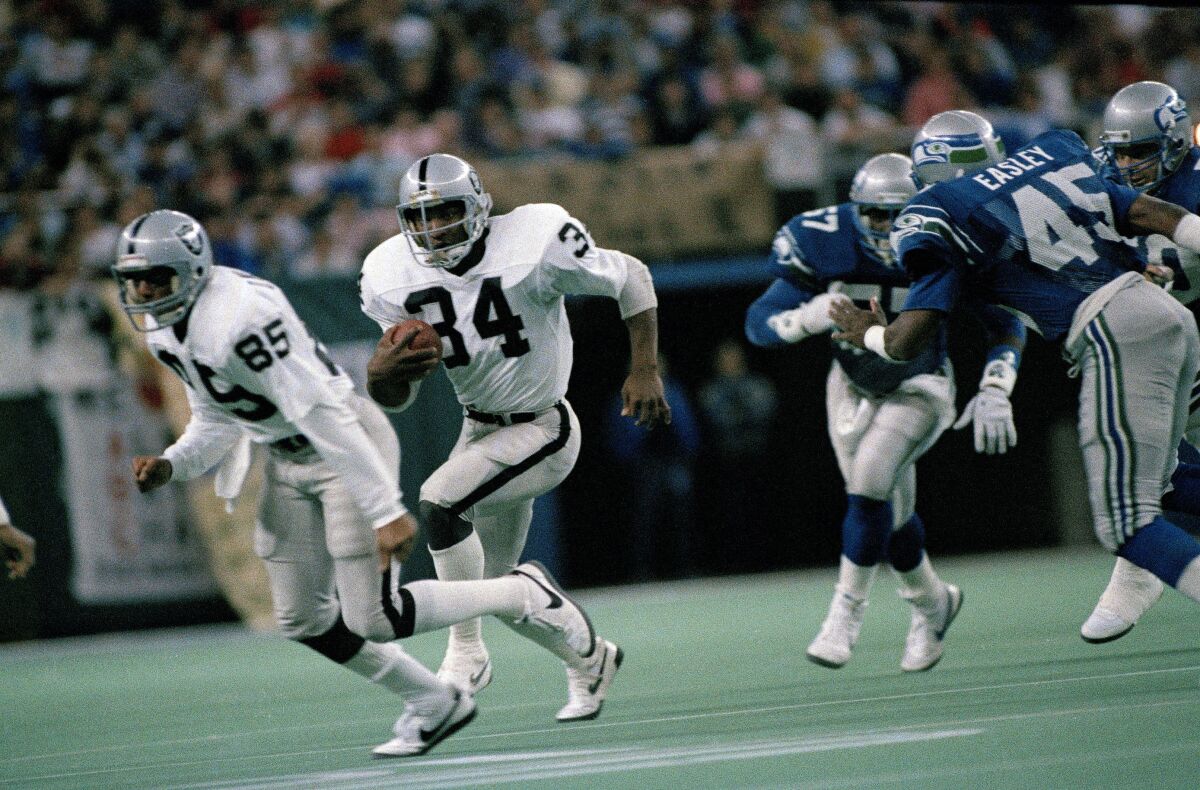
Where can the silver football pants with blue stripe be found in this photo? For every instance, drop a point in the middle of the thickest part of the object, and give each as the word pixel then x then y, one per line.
pixel 1138 361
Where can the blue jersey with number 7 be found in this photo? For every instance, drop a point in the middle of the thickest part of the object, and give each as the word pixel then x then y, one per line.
pixel 1036 234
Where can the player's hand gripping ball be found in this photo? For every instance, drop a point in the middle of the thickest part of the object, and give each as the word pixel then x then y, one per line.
pixel 407 352
pixel 426 336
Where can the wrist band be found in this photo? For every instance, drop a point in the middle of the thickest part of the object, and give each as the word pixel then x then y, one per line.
pixel 873 340
pixel 1187 233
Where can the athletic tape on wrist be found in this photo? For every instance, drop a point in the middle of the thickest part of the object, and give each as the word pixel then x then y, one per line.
pixel 1187 233
pixel 873 340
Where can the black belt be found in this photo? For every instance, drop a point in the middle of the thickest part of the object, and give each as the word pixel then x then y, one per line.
pixel 511 418
pixel 291 444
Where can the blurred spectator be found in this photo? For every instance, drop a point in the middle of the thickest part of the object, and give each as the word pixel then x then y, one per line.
pixel 546 125
pixel 610 110
pixel 661 537
pixel 739 409
pixel 1026 120
pixel 936 90
pixel 676 113
pixel 793 154
pixel 804 89
pixel 987 69
pixel 1183 73
pixel 856 131
pixel 217 107
pixel 57 61
pixel 728 81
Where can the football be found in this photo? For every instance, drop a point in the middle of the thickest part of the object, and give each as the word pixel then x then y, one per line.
pixel 426 337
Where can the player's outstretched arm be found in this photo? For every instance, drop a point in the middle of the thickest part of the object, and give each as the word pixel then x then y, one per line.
pixel 395 539
pixel 1147 214
pixel 990 412
pixel 18 547
pixel 900 340
pixel 151 472
pixel 643 396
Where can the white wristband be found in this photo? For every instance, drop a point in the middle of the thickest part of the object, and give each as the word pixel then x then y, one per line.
pixel 1187 233
pixel 3 514
pixel 873 340
pixel 1000 374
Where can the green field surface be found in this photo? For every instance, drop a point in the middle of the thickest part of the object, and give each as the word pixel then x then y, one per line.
pixel 715 692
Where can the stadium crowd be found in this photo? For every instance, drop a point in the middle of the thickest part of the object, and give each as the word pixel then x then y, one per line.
pixel 285 126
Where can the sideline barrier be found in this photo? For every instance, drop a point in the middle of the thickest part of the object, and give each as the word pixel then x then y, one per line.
pixel 659 204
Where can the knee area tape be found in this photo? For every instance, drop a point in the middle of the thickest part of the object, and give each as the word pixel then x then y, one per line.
pixel 442 527
pixel 339 644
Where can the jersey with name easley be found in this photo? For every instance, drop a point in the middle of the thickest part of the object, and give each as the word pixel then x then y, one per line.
pixel 1036 234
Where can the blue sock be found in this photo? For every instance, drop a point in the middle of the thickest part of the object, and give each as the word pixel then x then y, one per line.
pixel 1161 548
pixel 1186 496
pixel 865 529
pixel 906 546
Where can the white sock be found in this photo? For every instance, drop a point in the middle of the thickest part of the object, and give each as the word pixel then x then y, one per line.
pixel 921 583
pixel 462 562
pixel 1131 591
pixel 437 604
pixel 387 664
pixel 1189 580
pixel 855 580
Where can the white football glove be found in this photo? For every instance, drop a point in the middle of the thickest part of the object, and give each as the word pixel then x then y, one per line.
pixel 810 318
pixel 991 411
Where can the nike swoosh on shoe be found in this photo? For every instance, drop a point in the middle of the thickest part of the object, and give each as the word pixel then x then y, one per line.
pixel 555 598
pixel 428 735
pixel 600 675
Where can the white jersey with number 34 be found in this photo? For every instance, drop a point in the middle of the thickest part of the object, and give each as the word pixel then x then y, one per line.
pixel 506 341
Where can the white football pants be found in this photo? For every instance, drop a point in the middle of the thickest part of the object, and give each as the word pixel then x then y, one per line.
pixel 878 439
pixel 318 548
pixel 495 472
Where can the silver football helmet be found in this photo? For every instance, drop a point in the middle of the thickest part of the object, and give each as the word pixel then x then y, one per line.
pixel 1147 126
pixel 443 209
pixel 879 192
pixel 952 143
pixel 164 260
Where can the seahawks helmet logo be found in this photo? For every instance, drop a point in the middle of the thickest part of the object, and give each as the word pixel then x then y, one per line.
pixel 930 151
pixel 1171 113
pixel 190 236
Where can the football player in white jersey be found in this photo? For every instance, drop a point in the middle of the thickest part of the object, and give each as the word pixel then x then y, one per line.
pixel 493 289
pixel 253 372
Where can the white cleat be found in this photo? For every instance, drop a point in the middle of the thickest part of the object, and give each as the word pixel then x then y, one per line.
pixel 562 623
pixel 428 721
pixel 586 690
pixel 834 642
pixel 467 670
pixel 930 621
pixel 1131 591
pixel 1104 625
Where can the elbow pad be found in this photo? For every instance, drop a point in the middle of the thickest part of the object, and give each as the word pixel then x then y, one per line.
pixel 637 296
pixel 810 318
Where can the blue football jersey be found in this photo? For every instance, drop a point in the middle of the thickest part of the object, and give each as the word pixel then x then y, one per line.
pixel 820 247
pixel 1036 234
pixel 1182 188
